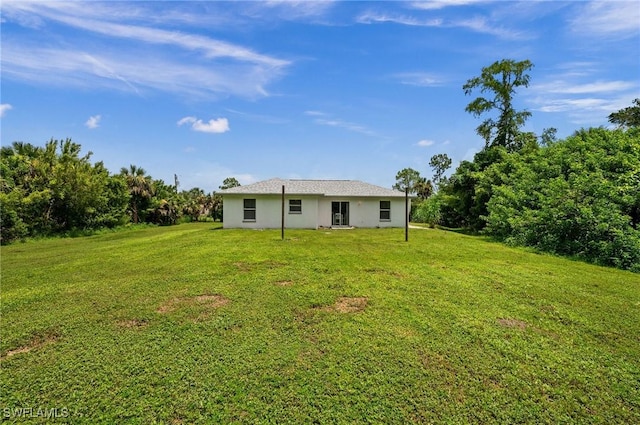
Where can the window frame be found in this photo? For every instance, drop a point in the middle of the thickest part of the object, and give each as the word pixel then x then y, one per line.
pixel 293 208
pixel 385 210
pixel 249 209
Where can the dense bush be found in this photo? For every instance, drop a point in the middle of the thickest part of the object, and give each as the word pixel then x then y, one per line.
pixel 428 211
pixel 578 197
pixel 52 190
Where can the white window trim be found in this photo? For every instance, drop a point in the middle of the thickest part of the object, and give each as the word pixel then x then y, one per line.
pixel 384 209
pixel 300 205
pixel 245 209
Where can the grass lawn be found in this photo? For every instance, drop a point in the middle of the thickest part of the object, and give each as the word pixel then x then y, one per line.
pixel 192 323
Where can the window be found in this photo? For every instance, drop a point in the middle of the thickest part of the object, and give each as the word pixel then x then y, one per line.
pixel 249 210
pixel 385 210
pixel 295 206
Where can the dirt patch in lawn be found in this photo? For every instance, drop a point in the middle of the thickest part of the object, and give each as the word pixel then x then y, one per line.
pixel 284 283
pixel 36 342
pixel 207 301
pixel 513 323
pixel 242 266
pixel 349 304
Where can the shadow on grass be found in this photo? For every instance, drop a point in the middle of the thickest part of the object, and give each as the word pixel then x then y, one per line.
pixel 460 230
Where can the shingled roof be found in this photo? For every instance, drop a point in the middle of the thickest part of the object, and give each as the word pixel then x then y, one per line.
pixel 352 188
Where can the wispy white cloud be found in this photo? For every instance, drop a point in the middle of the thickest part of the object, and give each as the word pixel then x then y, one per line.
pixel 296 10
pixel 483 25
pixel 577 69
pixel 267 119
pixel 4 108
pixel 356 128
pixel 578 92
pixel 315 113
pixel 441 4
pixel 425 143
pixel 560 86
pixel 420 79
pixel 93 122
pixel 585 111
pixel 216 68
pixel 477 24
pixel 607 18
pixel 395 18
pixel 34 13
pixel 209 47
pixel 322 118
pixel 568 104
pixel 219 125
pixel 125 72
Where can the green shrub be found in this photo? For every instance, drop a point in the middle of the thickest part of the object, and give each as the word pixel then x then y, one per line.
pixel 429 211
pixel 579 197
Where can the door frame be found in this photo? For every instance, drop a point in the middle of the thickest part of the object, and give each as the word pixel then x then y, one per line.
pixel 340 213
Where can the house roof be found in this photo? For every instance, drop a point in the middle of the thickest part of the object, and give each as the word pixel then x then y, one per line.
pixel 352 188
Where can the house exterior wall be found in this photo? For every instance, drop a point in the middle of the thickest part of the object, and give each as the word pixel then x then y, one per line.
pixel 269 212
pixel 316 212
pixel 308 219
pixel 324 212
pixel 370 213
pixel 363 212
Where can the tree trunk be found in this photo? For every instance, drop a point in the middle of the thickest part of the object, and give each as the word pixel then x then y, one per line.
pixel 135 213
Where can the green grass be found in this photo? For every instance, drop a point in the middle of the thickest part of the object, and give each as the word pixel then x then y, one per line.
pixel 455 329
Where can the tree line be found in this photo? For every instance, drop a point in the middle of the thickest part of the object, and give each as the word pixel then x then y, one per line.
pixel 54 189
pixel 578 197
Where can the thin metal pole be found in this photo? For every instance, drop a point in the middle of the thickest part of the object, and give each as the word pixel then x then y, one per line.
pixel 406 215
pixel 282 227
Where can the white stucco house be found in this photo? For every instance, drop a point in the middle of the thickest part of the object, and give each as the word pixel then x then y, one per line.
pixel 310 204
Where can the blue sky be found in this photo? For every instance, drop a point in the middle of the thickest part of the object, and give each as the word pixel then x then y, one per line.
pixel 330 90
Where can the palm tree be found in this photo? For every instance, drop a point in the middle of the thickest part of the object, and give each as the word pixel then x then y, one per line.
pixel 140 187
pixel 166 212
